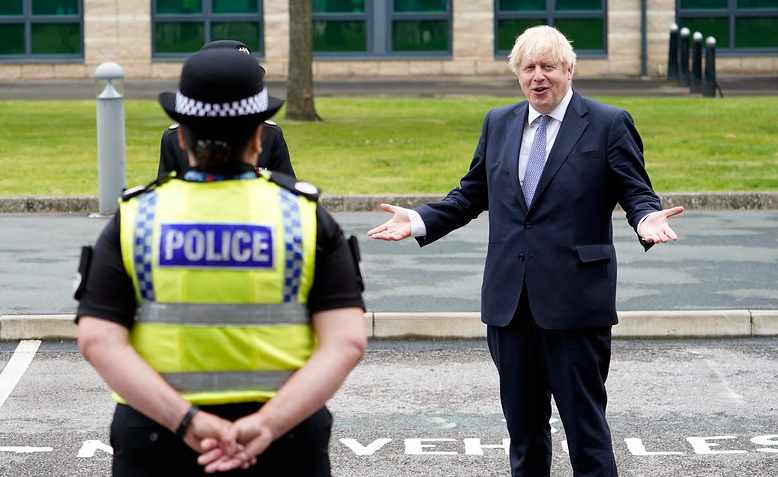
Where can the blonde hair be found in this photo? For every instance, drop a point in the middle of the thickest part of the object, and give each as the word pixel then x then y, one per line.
pixel 539 41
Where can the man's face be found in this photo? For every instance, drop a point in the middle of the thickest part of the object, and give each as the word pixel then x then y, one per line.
pixel 544 82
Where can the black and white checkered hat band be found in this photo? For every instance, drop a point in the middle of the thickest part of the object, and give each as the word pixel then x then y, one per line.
pixel 244 107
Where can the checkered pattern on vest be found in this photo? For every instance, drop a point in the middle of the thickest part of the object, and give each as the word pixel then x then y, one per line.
pixel 293 245
pixel 144 222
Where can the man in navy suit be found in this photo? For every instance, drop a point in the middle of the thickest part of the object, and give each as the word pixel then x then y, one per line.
pixel 550 171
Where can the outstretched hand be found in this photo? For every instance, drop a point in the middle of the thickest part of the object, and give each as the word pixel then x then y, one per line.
pixel 656 226
pixel 396 228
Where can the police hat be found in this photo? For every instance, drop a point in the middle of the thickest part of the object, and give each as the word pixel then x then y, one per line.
pixel 221 90
pixel 230 44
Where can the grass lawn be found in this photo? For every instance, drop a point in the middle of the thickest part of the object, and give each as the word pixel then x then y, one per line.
pixel 397 145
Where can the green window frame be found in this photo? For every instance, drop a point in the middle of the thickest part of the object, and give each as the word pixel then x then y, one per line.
pixel 394 29
pixel 739 26
pixel 584 22
pixel 41 30
pixel 181 27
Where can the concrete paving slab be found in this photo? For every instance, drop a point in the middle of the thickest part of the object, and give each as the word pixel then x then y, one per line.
pixel 25 327
pixel 764 322
pixel 707 323
pixel 428 325
pixel 441 325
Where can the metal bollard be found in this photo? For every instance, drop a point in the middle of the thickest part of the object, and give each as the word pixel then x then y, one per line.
pixel 695 85
pixel 709 84
pixel 672 54
pixel 683 57
pixel 110 136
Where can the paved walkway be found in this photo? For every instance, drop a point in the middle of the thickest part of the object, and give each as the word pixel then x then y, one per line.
pixel 482 85
pixel 724 260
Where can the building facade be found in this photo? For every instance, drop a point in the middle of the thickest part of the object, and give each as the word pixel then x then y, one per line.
pixel 67 39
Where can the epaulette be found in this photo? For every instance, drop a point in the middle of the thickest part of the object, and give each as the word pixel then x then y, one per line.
pixel 138 190
pixel 271 123
pixel 305 189
pixel 173 126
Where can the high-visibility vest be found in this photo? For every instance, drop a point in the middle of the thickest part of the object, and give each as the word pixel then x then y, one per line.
pixel 221 272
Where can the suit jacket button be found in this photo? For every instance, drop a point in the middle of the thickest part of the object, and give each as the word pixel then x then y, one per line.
pixel 528 226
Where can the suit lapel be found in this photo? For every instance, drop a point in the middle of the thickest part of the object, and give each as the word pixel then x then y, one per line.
pixel 573 125
pixel 515 132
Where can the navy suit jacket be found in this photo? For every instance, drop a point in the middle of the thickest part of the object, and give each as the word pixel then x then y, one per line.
pixel 560 247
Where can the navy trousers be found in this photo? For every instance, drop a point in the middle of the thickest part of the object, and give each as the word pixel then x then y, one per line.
pixel 572 365
pixel 143 448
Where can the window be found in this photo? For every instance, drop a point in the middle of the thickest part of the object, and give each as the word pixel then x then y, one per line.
pixel 737 25
pixel 583 22
pixel 340 26
pixel 381 28
pixel 181 27
pixel 41 29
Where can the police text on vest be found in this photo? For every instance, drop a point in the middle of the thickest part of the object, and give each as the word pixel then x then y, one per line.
pixel 216 245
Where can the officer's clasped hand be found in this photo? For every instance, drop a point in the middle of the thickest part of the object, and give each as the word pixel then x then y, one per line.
pixel 206 427
pixel 252 436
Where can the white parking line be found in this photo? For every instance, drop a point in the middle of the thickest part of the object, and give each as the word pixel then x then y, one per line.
pixel 16 366
pixel 26 450
pixel 737 397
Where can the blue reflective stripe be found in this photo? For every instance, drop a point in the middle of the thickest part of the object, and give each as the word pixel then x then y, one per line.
pixel 293 245
pixel 144 224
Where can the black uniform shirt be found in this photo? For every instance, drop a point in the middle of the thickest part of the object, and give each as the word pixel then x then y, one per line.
pixel 109 293
pixel 274 155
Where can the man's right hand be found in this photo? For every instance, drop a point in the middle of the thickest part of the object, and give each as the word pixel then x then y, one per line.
pixel 396 228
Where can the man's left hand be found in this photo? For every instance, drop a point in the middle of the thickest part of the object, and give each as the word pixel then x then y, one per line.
pixel 655 228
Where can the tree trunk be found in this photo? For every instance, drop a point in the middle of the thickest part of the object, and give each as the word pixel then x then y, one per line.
pixel 299 84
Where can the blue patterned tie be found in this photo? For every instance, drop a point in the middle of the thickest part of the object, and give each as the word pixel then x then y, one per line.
pixel 536 161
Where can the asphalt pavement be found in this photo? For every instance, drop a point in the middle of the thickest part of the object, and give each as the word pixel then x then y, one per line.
pixel 691 408
pixel 723 260
pixel 504 85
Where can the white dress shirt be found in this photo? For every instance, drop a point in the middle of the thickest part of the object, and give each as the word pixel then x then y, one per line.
pixel 418 229
pixel 552 129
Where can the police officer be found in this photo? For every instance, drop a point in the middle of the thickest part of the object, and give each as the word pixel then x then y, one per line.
pixel 223 308
pixel 274 155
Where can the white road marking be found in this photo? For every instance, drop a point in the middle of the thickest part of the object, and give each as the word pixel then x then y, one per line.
pixel 636 447
pixel 369 449
pixel 730 392
pixel 25 450
pixel 16 366
pixel 90 448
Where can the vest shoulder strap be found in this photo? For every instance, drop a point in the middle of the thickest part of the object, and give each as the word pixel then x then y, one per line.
pixel 138 190
pixel 305 189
